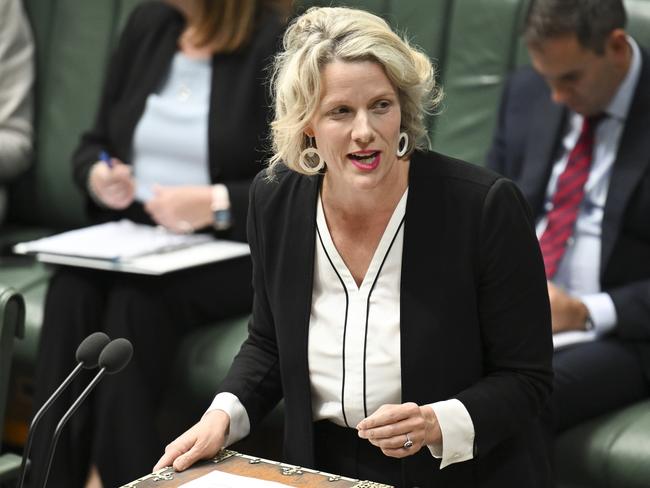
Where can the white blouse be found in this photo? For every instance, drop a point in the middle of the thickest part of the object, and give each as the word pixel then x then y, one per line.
pixel 354 344
pixel 354 347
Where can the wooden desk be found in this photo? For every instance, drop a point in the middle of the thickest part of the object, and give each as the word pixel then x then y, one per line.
pixel 241 464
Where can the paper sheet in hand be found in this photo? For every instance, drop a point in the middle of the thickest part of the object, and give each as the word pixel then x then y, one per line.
pixel 129 247
pixel 220 479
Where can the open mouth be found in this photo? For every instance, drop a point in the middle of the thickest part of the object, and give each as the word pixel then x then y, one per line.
pixel 365 160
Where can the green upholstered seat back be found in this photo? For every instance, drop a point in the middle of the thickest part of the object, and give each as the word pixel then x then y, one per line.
pixel 608 452
pixel 73 41
pixel 481 50
pixel 424 22
pixel 638 25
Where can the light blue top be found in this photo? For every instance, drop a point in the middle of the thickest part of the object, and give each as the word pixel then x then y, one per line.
pixel 170 144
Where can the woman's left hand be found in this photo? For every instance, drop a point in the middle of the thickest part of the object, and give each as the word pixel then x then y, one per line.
pixel 181 209
pixel 391 426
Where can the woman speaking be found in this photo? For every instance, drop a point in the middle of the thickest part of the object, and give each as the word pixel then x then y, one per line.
pixel 400 303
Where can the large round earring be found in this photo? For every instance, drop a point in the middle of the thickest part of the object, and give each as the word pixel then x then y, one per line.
pixel 310 160
pixel 402 144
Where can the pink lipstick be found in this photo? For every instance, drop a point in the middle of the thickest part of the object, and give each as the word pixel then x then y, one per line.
pixel 365 160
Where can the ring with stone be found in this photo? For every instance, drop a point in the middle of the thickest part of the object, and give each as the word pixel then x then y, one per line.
pixel 409 443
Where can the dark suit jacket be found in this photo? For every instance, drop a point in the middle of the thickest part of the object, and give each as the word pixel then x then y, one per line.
pixel 475 322
pixel 527 139
pixel 239 106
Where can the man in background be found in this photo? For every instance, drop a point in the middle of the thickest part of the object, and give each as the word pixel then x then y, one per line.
pixel 574 133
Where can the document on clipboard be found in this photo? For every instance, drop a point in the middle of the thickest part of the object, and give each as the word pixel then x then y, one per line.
pixel 129 247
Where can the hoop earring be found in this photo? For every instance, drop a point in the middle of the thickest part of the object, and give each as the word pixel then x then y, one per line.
pixel 310 160
pixel 402 144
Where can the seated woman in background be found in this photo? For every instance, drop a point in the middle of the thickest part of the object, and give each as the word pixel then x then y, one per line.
pixel 16 97
pixel 400 303
pixel 183 118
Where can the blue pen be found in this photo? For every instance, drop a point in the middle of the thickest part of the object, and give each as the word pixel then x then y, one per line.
pixel 106 158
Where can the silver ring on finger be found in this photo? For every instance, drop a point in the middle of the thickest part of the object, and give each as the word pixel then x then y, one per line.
pixel 409 443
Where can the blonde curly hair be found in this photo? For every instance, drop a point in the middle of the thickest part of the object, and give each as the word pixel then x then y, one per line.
pixel 325 34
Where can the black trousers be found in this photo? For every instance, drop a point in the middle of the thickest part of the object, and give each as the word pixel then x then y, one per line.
pixel 115 428
pixel 594 378
pixel 517 462
pixel 339 450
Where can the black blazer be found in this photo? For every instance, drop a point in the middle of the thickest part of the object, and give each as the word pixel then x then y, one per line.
pixel 475 321
pixel 239 103
pixel 525 145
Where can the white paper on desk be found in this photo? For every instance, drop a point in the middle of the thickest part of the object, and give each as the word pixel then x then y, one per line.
pixel 115 241
pixel 563 339
pixel 220 479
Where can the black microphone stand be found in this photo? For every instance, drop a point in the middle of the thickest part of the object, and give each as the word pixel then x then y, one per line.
pixel 87 356
pixel 37 418
pixel 64 420
pixel 113 358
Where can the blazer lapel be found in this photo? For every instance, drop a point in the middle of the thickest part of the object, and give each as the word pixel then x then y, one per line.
pixel 631 162
pixel 420 327
pixel 295 268
pixel 298 269
pixel 159 64
pixel 546 128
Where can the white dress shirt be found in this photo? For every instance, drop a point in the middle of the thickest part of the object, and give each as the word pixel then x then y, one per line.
pixel 354 344
pixel 579 269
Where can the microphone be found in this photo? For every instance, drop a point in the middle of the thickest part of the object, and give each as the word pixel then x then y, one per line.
pixel 87 356
pixel 113 358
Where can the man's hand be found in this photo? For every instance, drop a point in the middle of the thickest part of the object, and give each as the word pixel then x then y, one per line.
pixel 390 425
pixel 567 312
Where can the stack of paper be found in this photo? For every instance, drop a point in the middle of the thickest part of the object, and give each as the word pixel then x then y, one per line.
pixel 114 240
pixel 136 248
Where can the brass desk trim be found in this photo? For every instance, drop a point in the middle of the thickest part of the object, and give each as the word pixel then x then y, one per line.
pixel 289 470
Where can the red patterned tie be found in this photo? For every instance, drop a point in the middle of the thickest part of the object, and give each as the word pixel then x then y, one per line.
pixel 568 196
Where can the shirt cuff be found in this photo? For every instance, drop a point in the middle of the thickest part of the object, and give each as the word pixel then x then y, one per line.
pixel 457 433
pixel 220 197
pixel 239 423
pixel 602 312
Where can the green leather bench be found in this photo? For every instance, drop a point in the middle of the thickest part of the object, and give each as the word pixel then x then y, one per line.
pixel 475 44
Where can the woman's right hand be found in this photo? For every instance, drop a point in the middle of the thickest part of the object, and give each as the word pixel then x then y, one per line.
pixel 203 441
pixel 112 186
